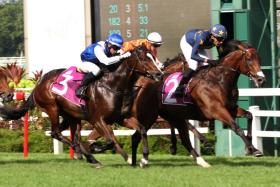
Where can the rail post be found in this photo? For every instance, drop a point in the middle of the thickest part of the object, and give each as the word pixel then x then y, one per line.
pixel 20 96
pixel 256 127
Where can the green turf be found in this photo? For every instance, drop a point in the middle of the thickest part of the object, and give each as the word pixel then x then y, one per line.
pixel 164 170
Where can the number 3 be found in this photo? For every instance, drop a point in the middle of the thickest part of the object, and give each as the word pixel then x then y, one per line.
pixel 67 77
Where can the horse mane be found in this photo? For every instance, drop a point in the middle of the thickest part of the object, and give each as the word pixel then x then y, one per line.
pixel 230 46
pixel 179 57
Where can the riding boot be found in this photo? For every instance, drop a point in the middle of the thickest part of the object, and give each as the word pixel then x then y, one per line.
pixel 181 87
pixel 81 91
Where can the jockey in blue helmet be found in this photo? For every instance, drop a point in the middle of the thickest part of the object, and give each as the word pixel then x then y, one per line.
pixel 98 54
pixel 193 45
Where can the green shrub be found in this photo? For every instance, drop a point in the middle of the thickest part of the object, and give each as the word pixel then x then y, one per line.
pixel 12 141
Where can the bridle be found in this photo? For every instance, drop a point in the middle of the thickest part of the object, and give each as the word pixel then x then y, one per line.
pixel 245 60
pixel 146 73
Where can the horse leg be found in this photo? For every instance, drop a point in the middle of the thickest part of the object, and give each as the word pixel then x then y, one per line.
pixel 200 136
pixel 185 140
pixel 55 130
pixel 75 128
pixel 111 140
pixel 135 139
pixel 74 125
pixel 224 116
pixel 242 113
pixel 119 149
pixel 135 124
pixel 173 146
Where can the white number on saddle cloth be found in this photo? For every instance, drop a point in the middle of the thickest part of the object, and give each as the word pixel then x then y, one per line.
pixel 67 75
pixel 174 84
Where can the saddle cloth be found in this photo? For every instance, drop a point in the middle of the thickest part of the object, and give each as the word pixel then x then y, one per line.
pixel 67 83
pixel 169 87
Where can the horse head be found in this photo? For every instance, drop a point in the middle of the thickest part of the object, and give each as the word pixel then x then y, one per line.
pixel 245 60
pixel 142 63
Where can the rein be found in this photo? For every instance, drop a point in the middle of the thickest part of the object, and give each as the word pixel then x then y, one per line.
pixel 145 73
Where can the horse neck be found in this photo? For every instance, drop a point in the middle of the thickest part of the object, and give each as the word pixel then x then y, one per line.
pixel 123 78
pixel 230 69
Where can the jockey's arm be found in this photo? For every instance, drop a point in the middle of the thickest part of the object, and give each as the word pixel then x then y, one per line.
pixel 195 55
pixel 101 56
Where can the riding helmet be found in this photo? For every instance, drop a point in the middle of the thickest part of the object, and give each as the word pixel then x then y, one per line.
pixel 115 39
pixel 219 30
pixel 155 38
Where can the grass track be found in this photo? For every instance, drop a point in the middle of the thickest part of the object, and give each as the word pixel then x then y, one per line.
pixel 164 170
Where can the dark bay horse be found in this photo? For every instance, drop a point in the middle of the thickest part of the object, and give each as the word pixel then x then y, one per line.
pixel 109 101
pixel 212 90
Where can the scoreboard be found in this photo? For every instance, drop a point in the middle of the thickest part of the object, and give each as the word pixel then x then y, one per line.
pixel 135 19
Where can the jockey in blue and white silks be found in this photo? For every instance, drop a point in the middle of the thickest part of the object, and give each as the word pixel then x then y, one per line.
pixel 103 52
pixel 193 45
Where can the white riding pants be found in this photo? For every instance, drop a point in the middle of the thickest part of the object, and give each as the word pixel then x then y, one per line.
pixel 88 67
pixel 187 51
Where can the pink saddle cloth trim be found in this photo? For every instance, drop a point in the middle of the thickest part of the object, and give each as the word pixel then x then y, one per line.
pixel 67 83
pixel 169 87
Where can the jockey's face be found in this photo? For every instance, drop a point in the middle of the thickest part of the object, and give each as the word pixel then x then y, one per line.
pixel 154 46
pixel 113 49
pixel 217 41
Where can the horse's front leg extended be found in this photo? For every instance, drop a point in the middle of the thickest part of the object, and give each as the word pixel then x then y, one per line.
pixel 224 116
pixel 242 113
pixel 106 131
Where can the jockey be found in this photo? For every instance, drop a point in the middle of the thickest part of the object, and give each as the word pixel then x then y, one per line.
pixel 153 41
pixel 95 55
pixel 193 45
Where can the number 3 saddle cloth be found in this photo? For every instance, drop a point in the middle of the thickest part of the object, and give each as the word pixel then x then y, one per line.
pixel 66 84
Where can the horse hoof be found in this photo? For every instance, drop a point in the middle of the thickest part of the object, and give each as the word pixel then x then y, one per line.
pixel 143 163
pixel 258 153
pixel 129 161
pixel 173 151
pixel 78 156
pixel 97 165
pixel 201 162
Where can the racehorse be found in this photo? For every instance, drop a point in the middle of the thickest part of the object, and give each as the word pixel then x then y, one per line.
pixel 108 101
pixel 213 90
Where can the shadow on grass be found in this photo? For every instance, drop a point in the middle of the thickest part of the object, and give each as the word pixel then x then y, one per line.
pixel 214 161
pixel 36 161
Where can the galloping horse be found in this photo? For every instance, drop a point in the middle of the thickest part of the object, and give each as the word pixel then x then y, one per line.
pixel 109 100
pixel 212 93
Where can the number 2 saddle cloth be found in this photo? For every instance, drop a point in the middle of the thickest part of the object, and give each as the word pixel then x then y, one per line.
pixel 169 87
pixel 67 83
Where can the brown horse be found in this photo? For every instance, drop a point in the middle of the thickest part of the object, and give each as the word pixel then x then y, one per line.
pixel 213 90
pixel 109 100
pixel 212 93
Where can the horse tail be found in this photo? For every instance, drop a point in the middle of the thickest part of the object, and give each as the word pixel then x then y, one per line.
pixel 16 113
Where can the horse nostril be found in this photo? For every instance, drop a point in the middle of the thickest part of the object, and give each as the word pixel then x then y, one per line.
pixel 261 80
